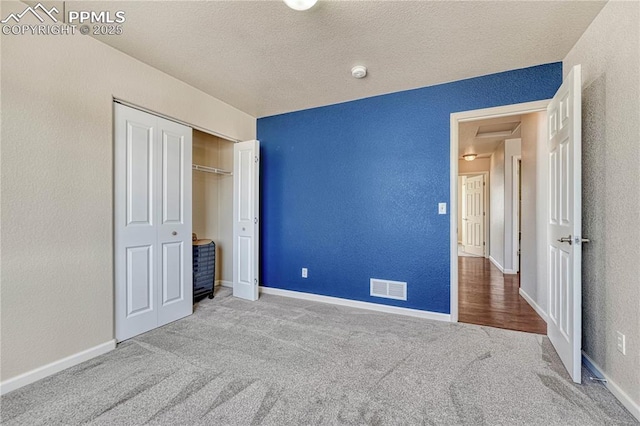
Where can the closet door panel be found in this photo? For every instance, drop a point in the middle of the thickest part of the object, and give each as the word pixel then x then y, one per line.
pixel 140 280
pixel 135 223
pixel 139 174
pixel 172 273
pixel 173 146
pixel 175 296
pixel 246 219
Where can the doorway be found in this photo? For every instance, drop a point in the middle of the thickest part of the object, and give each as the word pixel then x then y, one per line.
pixel 555 246
pixel 487 290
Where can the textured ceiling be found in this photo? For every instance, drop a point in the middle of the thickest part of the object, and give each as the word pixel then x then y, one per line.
pixel 265 59
pixel 468 143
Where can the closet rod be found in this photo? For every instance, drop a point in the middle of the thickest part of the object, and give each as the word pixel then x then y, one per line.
pixel 175 120
pixel 208 169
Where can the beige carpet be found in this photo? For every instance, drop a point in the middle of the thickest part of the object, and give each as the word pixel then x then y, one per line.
pixel 282 361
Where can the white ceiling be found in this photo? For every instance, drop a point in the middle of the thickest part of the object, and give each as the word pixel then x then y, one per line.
pixel 469 143
pixel 265 59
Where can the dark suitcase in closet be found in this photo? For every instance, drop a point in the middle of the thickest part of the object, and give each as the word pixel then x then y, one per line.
pixel 204 268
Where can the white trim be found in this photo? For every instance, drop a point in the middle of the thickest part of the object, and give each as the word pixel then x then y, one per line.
pixel 175 120
pixel 455 120
pixel 224 283
pixel 55 367
pixel 357 304
pixel 496 264
pixel 533 304
pixel 622 396
pixel 462 204
pixel 515 213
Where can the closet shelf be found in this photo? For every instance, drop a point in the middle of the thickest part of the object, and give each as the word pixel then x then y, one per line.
pixel 208 169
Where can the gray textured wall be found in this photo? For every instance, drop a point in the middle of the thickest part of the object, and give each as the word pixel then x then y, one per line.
pixel 57 180
pixel 609 52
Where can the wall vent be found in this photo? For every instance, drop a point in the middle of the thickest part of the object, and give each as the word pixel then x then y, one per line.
pixel 388 289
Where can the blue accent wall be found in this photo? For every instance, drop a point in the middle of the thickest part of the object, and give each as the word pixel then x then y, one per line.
pixel 351 191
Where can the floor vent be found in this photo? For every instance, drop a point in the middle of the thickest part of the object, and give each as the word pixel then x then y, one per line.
pixel 388 289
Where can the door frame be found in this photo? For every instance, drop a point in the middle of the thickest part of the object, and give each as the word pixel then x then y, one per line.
pixel 515 212
pixel 486 207
pixel 455 120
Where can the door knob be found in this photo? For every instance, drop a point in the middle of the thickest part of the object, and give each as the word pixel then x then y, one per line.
pixel 174 233
pixel 566 240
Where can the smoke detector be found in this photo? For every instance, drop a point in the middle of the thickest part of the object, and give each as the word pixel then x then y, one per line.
pixel 359 71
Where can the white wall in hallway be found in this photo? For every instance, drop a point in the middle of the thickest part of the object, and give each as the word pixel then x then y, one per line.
pixel 511 149
pixel 477 165
pixel 496 197
pixel 533 144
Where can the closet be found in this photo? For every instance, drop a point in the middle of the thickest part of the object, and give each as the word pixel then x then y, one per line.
pixel 212 197
pixel 171 180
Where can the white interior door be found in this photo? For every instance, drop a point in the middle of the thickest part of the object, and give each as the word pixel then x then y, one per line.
pixel 246 219
pixel 564 327
pixel 152 188
pixel 474 215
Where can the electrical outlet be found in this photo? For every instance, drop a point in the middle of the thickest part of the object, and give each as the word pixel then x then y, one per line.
pixel 621 343
pixel 305 273
pixel 442 208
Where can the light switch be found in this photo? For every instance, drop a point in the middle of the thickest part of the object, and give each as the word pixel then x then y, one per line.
pixel 442 208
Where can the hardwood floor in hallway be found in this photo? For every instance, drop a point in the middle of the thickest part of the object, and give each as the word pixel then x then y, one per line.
pixel 486 296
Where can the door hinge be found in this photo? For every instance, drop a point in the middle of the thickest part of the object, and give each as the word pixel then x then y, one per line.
pixel 255 220
pixel 483 243
pixel 256 158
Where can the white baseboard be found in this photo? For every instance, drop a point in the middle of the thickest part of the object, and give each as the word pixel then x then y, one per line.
pixel 509 272
pixel 224 283
pixel 55 367
pixel 495 262
pixel 534 305
pixel 357 304
pixel 622 396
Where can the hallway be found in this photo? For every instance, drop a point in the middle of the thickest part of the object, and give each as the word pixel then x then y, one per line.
pixel 488 297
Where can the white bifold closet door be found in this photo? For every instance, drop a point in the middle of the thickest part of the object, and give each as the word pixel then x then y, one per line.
pixel 246 195
pixel 152 222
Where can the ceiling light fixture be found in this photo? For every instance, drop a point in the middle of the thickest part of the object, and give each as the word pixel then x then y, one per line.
pixel 300 4
pixel 359 71
pixel 469 157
